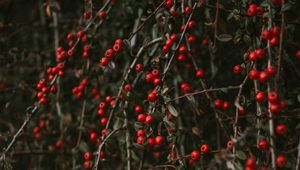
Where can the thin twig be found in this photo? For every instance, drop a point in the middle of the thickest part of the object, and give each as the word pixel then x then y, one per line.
pixel 19 132
pixel 280 49
pixel 205 91
pixel 237 104
pixel 97 159
pixel 271 122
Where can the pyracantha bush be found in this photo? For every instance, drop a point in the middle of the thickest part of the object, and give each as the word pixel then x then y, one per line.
pixel 173 84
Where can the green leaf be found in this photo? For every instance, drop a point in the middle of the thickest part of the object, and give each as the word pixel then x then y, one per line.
pixel 138 125
pixel 191 98
pixel 241 155
pixel 224 37
pixel 168 122
pixel 286 7
pixel 172 110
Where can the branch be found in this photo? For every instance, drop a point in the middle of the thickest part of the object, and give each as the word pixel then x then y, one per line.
pixel 205 91
pixel 271 122
pixel 21 129
pixel 97 159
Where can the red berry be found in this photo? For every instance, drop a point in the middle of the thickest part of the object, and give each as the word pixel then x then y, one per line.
pixel 174 37
pixel 101 112
pixel 114 1
pixel 276 31
pixel 108 99
pixel 53 89
pixel 36 130
pixel 200 73
pixel 152 97
pixel 298 54
pixel 169 3
pixel 59 144
pixel 104 61
pixel 260 96
pixel 155 73
pixel 69 37
pixel 151 142
pixel 218 103
pixel 273 97
pixel 141 132
pixel 282 105
pixel 252 10
pixel 93 136
pixel 139 68
pixel 102 14
pixel 263 144
pixel 271 70
pixel 117 48
pixel 138 109
pixel 281 161
pixel 237 69
pixel 266 34
pixel 253 56
pixel 42 124
pixel 181 57
pixel 149 77
pixel 157 81
pixel 188 10
pixel 274 41
pixel 80 34
pixel 141 118
pixel 169 43
pixel 191 25
pixel 140 140
pixel 109 53
pixel 251 162
pixel 166 49
pixel 88 156
pixel 195 155
pixel 86 15
pixel 281 129
pixel 119 42
pixel 191 39
pixel 183 49
pixel 205 148
pixel 149 119
pixel 104 132
pixel 229 144
pixel 260 53
pixel 103 121
pixel 102 105
pixel 275 108
pixel 159 140
pixel 254 74
pixel 87 164
pixel 278 2
pixel 226 105
pixel 128 87
pixel 242 110
pixel 204 42
pixel 157 154
pixel 264 76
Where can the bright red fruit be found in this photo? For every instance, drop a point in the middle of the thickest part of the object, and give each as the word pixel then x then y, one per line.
pixel 195 155
pixel 200 73
pixel 159 140
pixel 263 144
pixel 281 161
pixel 205 148
pixel 260 96
pixel 281 129
pixel 88 156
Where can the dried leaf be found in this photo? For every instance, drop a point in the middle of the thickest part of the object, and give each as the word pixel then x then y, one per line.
pixel 224 37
